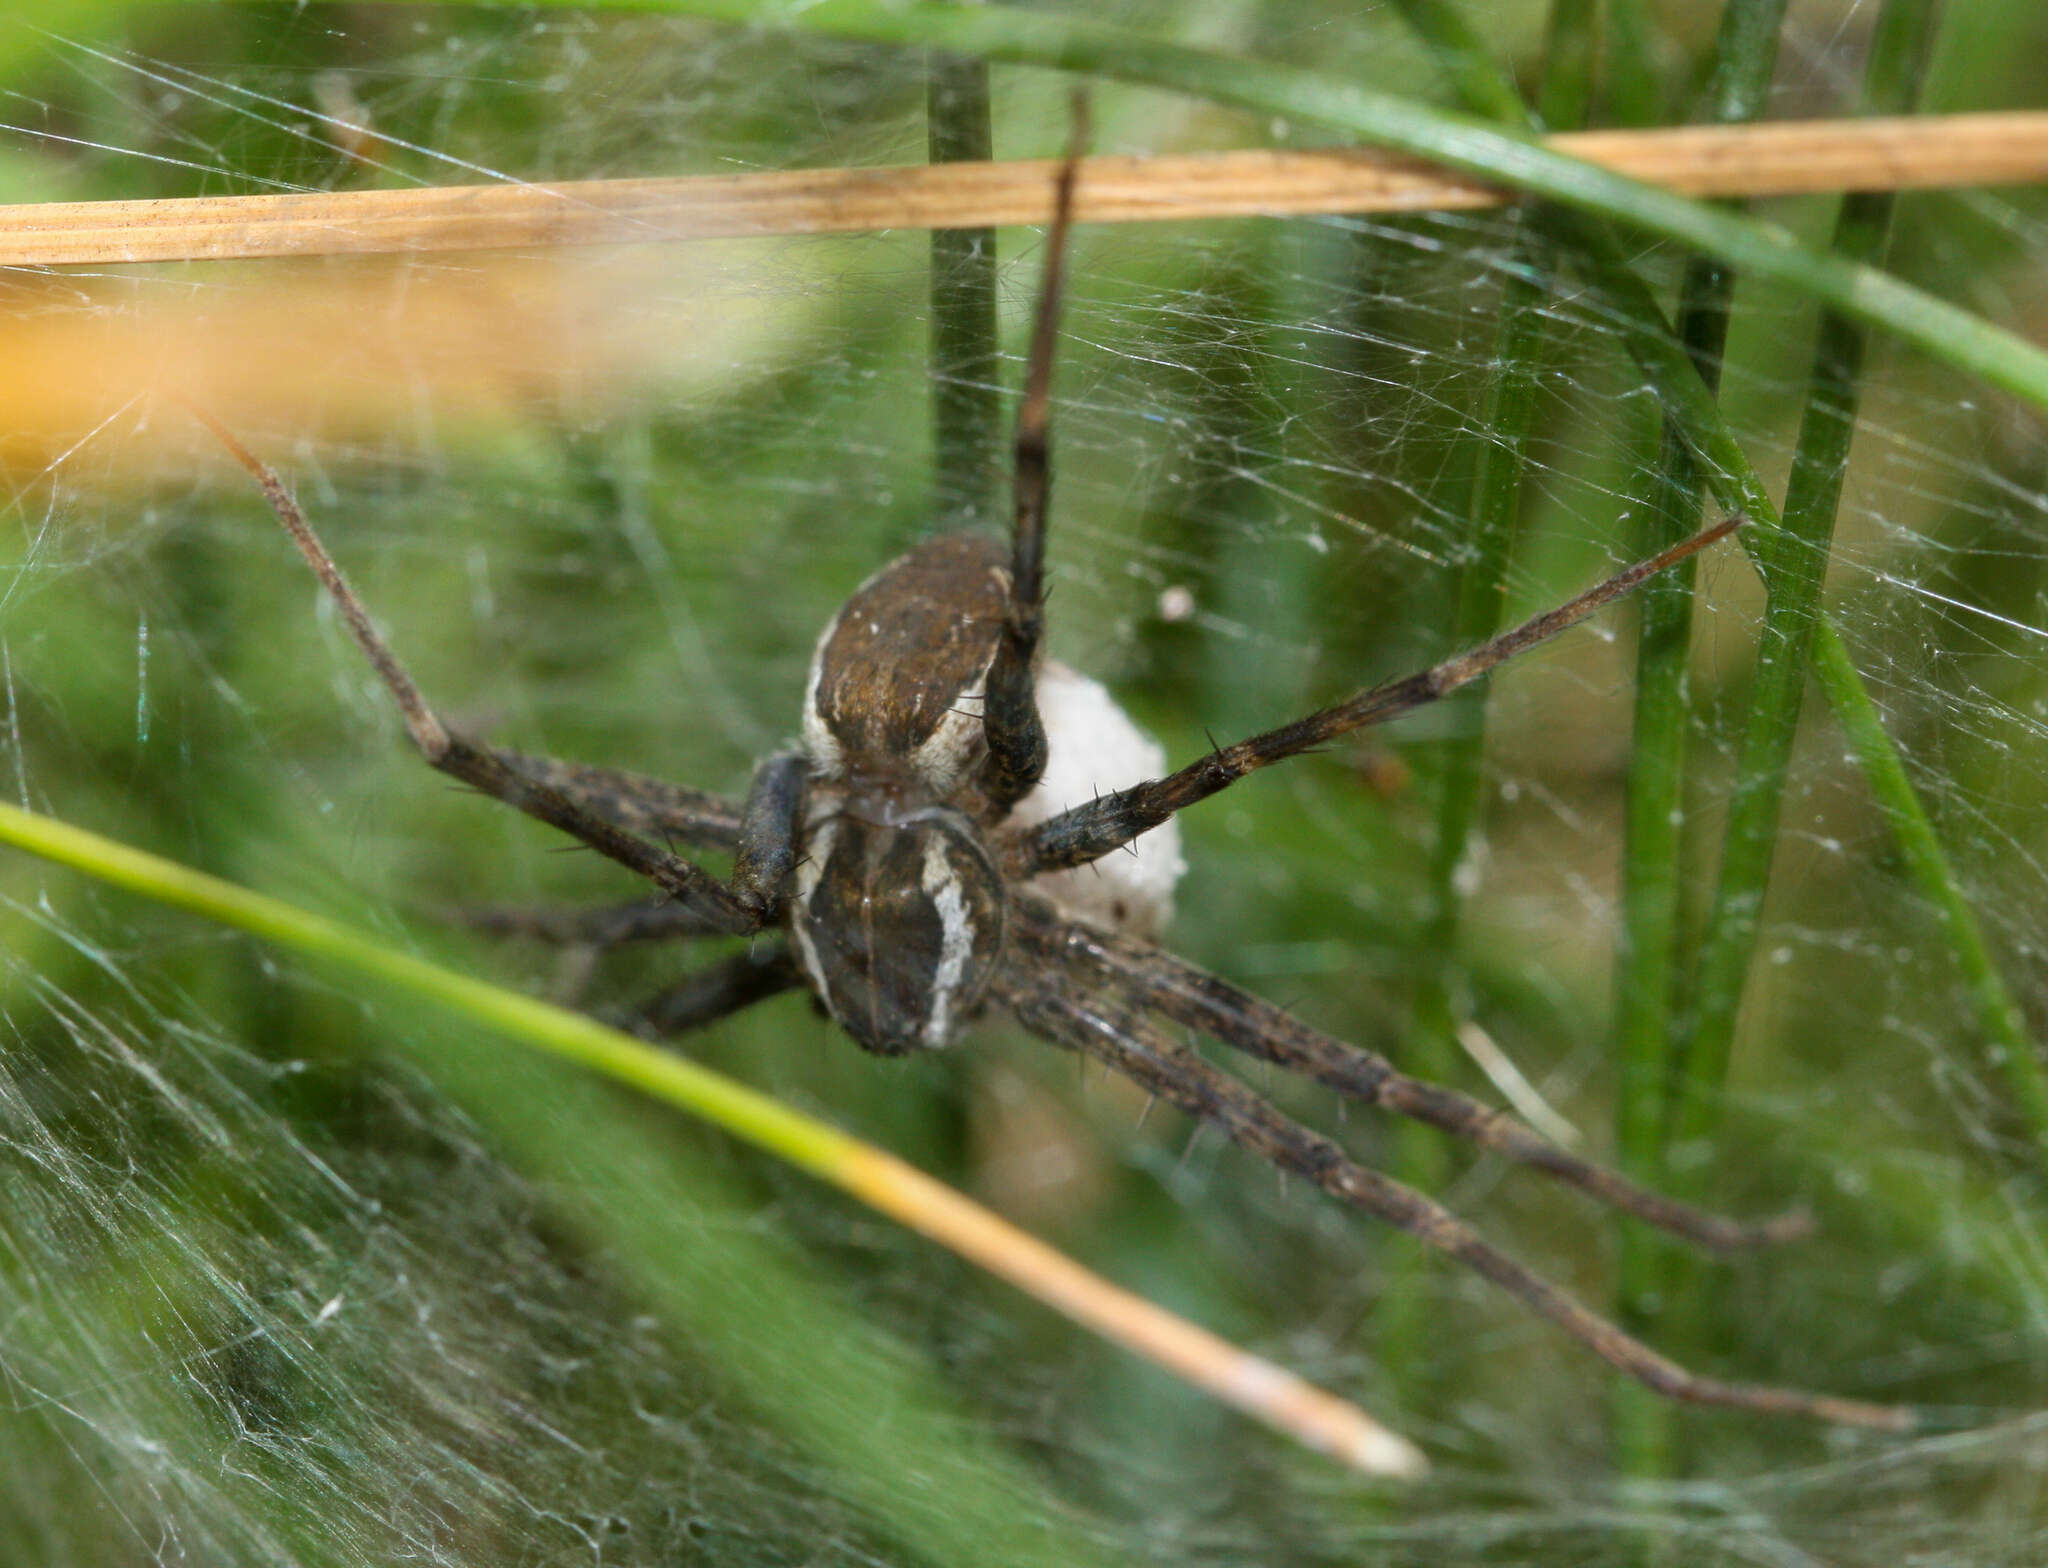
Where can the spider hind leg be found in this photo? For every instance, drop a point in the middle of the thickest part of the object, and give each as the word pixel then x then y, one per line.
pixel 1190 996
pixel 1123 1036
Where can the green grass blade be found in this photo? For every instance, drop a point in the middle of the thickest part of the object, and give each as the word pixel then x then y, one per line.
pixel 1795 568
pixel 967 403
pixel 1946 333
pixel 1648 969
pixel 886 1184
pixel 1502 435
pixel 2010 1048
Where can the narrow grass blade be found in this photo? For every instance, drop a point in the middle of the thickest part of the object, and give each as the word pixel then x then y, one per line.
pixel 967 404
pixel 1648 972
pixel 1945 332
pixel 1270 1394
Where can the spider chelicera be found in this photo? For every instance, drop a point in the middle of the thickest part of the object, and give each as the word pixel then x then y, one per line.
pixel 920 875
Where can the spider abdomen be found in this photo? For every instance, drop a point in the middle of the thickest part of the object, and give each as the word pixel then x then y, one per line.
pixel 1094 748
pixel 900 675
pixel 898 925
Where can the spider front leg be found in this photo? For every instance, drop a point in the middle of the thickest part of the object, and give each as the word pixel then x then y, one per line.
pixel 1089 832
pixel 1010 719
pixel 749 902
pixel 1121 1035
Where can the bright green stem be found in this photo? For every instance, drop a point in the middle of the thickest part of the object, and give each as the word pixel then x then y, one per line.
pixel 1794 562
pixel 1652 872
pixel 967 412
pixel 1652 891
pixel 2013 1054
pixel 1949 334
pixel 1647 967
pixel 1798 564
pixel 1504 424
pixel 1430 1051
pixel 891 1438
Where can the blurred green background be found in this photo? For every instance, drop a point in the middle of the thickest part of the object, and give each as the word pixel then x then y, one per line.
pixel 291 1274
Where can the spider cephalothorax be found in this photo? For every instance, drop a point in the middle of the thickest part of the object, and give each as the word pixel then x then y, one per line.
pixel 918 854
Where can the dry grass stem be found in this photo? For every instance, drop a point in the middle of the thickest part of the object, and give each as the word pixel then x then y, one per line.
pixel 1744 160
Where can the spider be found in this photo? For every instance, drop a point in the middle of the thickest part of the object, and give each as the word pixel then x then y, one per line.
pixel 918 874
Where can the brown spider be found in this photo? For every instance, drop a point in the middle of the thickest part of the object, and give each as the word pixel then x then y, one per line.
pixel 919 884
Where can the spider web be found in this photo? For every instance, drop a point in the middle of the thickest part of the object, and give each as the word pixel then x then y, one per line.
pixel 290 1273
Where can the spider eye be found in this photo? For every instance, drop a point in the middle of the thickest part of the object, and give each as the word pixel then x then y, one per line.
pixel 899 927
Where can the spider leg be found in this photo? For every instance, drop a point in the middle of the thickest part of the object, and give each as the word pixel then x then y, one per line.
pixel 745 905
pixel 1194 998
pixel 585 935
pixel 716 991
pixel 1122 1037
pixel 1010 721
pixel 601 928
pixel 1089 832
pixel 638 803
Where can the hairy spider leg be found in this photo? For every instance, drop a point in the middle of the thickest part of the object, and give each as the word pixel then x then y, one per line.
pixel 601 928
pixel 1121 1034
pixel 718 990
pixel 1091 831
pixel 1010 719
pixel 641 804
pixel 766 849
pixel 1166 984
